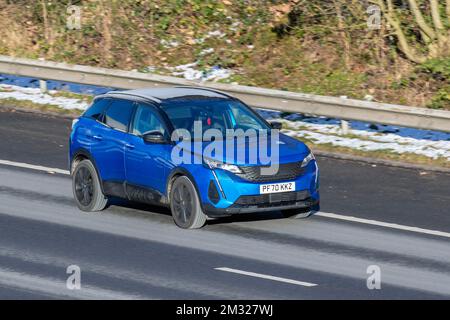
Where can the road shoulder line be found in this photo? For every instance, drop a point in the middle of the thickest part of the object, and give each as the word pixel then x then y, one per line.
pixel 33 167
pixel 383 224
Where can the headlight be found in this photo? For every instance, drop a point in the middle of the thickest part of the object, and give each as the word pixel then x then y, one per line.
pixel 308 159
pixel 213 164
pixel 74 122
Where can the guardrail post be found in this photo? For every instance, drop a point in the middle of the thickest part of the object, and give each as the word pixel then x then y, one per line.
pixel 43 86
pixel 344 126
pixel 344 123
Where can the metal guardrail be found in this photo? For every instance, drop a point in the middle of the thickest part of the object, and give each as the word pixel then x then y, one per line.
pixel 346 109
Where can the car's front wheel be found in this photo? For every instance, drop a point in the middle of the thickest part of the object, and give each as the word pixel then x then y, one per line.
pixel 185 204
pixel 86 187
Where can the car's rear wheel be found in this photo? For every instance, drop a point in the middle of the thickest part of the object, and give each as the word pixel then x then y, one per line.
pixel 86 188
pixel 185 204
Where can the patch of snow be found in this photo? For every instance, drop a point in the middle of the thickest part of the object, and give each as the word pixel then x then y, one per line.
pixel 365 137
pixel 169 43
pixel 234 26
pixel 217 73
pixel 415 147
pixel 206 51
pixel 189 72
pixel 216 34
pixel 212 34
pixel 369 97
pixel 34 95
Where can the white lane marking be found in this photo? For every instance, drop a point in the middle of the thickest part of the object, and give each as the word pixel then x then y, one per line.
pixel 383 224
pixel 268 277
pixel 34 167
pixel 320 214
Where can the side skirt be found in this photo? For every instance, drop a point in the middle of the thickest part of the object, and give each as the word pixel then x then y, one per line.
pixel 134 193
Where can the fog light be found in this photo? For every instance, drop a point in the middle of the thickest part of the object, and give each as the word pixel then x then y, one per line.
pixel 213 194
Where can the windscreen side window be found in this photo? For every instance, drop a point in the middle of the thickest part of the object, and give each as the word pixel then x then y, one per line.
pixel 96 110
pixel 146 120
pixel 118 115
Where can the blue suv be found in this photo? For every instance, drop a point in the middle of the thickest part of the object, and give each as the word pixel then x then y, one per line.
pixel 123 147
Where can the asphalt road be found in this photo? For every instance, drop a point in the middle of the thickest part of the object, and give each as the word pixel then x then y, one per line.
pixel 131 251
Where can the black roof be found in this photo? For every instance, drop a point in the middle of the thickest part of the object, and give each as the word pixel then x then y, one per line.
pixel 163 94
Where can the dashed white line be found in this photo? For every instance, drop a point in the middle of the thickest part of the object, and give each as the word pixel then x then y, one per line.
pixel 267 277
pixel 384 224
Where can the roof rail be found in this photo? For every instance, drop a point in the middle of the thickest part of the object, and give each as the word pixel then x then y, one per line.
pixel 125 93
pixel 207 89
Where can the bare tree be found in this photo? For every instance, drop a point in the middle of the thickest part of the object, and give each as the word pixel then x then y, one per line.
pixel 434 32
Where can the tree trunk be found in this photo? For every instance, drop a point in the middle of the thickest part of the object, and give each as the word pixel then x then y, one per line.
pixel 106 26
pixel 402 41
pixel 447 10
pixel 343 33
pixel 420 20
pixel 47 29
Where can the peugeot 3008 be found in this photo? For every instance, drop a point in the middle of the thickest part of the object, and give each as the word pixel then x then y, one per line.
pixel 122 147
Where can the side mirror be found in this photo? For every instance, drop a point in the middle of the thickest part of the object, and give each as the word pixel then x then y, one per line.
pixel 154 137
pixel 276 125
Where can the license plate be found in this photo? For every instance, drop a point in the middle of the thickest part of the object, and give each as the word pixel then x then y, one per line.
pixel 277 187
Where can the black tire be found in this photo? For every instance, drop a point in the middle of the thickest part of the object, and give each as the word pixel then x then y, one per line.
pixel 86 188
pixel 185 205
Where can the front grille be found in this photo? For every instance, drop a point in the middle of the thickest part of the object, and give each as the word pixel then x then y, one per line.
pixel 272 199
pixel 286 171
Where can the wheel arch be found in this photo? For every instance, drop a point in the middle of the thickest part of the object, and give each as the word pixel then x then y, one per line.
pixel 83 154
pixel 178 172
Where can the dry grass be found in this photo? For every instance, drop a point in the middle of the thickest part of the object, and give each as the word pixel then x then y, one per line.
pixel 46 108
pixel 310 56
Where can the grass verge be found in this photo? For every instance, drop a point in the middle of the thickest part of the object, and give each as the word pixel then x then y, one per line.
pixel 409 158
pixel 45 108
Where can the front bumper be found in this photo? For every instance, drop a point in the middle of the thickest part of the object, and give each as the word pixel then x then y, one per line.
pixel 307 204
pixel 238 196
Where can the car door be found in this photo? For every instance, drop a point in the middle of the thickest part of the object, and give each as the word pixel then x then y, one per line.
pixel 146 163
pixel 108 148
pixel 82 138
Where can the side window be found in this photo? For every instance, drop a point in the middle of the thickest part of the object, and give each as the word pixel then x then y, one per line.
pixel 146 121
pixel 97 108
pixel 118 114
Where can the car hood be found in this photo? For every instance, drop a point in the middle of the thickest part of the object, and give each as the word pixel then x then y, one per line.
pixel 289 150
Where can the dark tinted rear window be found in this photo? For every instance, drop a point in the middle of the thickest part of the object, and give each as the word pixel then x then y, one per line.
pixel 97 108
pixel 118 114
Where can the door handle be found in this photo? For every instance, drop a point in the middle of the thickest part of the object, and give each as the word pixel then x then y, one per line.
pixel 129 146
pixel 99 138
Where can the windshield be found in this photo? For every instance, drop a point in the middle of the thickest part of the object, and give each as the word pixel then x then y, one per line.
pixel 221 114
